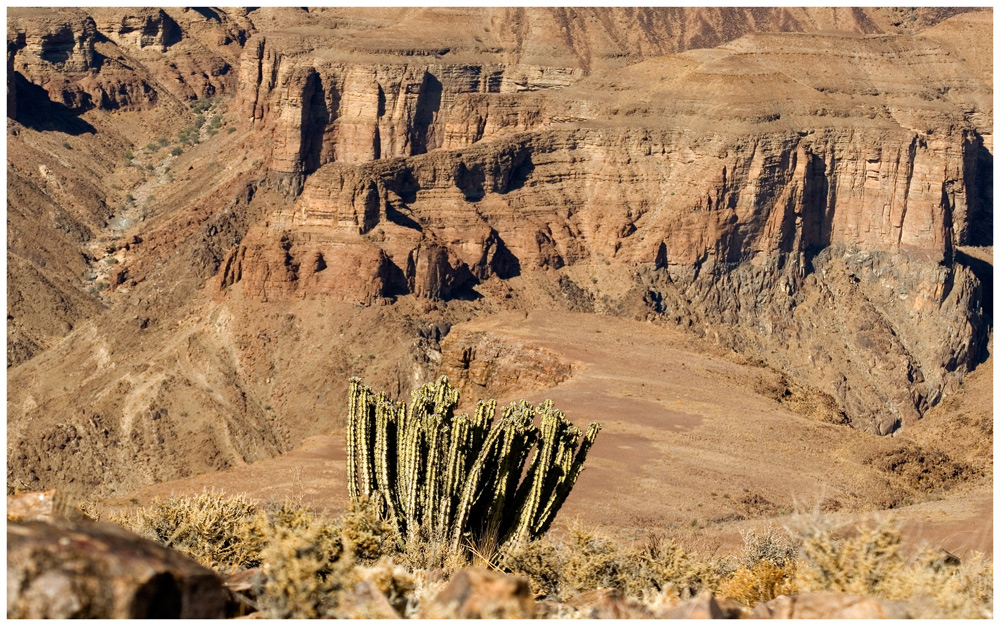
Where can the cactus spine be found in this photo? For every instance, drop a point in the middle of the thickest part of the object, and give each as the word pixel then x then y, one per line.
pixel 457 477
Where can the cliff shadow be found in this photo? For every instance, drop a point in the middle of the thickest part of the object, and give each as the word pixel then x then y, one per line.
pixel 471 181
pixel 208 14
pixel 982 270
pixel 520 172
pixel 399 218
pixel 315 119
pixel 37 111
pixel 427 106
pixel 979 193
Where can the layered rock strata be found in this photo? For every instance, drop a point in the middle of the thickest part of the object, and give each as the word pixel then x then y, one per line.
pixel 755 218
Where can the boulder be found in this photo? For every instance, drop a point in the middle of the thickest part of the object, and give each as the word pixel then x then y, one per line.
pixel 84 569
pixel 702 606
pixel 40 505
pixel 607 603
pixel 477 593
pixel 365 601
pixel 829 605
pixel 246 587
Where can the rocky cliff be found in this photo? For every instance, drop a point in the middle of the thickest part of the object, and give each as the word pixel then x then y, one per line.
pixel 842 197
pixel 799 185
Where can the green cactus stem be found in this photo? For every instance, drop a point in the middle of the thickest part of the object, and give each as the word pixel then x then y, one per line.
pixel 458 477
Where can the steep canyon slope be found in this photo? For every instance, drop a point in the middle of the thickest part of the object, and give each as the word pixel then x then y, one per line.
pixel 809 188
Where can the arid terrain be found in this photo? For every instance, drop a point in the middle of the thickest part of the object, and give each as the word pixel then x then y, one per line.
pixel 755 244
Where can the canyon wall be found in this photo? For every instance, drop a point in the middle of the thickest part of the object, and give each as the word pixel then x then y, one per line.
pixel 843 197
pixel 799 185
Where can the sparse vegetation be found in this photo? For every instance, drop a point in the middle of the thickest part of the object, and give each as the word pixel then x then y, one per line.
pixel 311 562
pixel 177 151
pixel 67 146
pixel 202 105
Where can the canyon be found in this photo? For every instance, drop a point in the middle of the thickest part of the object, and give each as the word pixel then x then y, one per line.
pixel 217 216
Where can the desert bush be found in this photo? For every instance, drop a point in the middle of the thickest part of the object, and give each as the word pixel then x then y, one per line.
pixel 455 477
pixel 214 530
pixel 861 564
pixel 396 583
pixel 871 563
pixel 765 580
pixel 306 572
pixel 177 151
pixel 768 544
pixel 369 536
pixel 766 567
pixel 225 533
pixel 587 559
pixel 946 588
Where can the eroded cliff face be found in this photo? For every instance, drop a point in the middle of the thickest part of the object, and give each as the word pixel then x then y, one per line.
pixel 765 221
pixel 804 199
pixel 130 60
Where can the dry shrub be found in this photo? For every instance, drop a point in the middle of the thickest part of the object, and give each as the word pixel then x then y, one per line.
pixel 307 570
pixel 945 587
pixel 225 533
pixel 369 535
pixel 768 544
pixel 767 568
pixel 215 530
pixel 540 561
pixel 587 559
pixel 871 564
pixel 861 564
pixel 923 469
pixel 395 582
pixel 764 581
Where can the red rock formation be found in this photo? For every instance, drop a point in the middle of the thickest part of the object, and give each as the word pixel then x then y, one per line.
pixel 742 204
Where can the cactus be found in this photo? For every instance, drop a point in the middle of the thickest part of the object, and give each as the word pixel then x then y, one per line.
pixel 458 478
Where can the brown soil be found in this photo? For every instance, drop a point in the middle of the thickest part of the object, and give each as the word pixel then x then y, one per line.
pixel 686 448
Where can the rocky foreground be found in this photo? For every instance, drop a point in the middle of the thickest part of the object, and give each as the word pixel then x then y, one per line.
pixel 61 564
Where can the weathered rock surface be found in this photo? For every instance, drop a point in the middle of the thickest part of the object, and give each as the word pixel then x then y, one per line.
pixel 93 570
pixel 732 212
pixel 830 605
pixel 476 362
pixel 115 59
pixel 607 604
pixel 44 506
pixel 478 593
